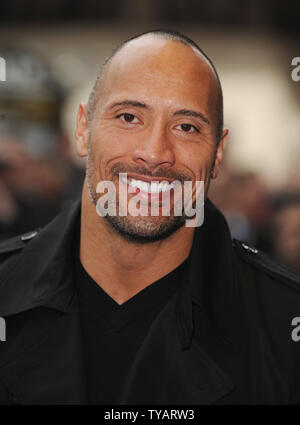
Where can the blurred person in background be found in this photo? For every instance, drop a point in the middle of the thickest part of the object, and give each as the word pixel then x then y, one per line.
pixel 34 170
pixel 285 235
pixel 244 200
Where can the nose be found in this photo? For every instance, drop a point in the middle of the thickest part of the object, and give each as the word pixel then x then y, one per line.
pixel 155 150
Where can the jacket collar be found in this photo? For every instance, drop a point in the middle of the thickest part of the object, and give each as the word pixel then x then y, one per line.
pixel 212 279
pixel 47 265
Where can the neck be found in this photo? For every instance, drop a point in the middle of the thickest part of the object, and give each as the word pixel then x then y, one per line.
pixel 123 268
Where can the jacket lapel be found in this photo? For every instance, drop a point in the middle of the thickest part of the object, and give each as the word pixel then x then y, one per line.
pixel 166 373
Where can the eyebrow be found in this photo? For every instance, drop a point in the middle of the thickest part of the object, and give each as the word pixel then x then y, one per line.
pixel 190 113
pixel 134 103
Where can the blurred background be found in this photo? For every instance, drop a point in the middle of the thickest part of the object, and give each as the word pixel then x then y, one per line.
pixel 53 50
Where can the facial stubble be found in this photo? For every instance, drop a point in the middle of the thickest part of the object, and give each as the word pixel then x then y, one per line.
pixel 138 229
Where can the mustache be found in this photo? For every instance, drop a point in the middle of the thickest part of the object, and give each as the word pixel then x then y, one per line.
pixel 161 173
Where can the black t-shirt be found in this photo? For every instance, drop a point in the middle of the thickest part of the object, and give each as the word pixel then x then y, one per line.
pixel 113 333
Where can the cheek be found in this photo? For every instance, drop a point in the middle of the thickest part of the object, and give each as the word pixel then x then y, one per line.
pixel 106 147
pixel 199 162
pixel 110 141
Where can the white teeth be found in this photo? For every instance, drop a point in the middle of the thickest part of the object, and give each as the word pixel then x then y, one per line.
pixel 143 186
pixel 154 187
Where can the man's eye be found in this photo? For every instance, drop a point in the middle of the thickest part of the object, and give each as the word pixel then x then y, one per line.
pixel 188 128
pixel 127 118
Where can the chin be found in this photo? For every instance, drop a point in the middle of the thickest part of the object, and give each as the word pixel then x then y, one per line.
pixel 144 230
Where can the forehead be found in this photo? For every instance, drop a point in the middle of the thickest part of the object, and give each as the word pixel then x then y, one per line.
pixel 161 70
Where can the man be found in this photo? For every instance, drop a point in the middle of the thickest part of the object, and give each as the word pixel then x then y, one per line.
pixel 285 238
pixel 125 309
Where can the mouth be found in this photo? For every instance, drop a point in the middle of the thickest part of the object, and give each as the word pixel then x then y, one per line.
pixel 146 185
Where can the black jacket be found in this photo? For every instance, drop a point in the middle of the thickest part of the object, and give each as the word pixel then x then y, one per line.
pixel 224 338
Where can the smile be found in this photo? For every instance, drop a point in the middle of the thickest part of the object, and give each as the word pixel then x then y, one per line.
pixel 153 187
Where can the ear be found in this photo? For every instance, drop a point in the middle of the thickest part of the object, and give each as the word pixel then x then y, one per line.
pixel 82 130
pixel 219 153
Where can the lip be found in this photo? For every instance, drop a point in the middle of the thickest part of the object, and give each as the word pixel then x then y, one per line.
pixel 148 179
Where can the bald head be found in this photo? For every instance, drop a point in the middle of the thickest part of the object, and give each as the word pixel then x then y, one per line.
pixel 168 50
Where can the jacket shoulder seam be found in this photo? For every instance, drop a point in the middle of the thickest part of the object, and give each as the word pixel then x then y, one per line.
pixel 266 264
pixel 16 243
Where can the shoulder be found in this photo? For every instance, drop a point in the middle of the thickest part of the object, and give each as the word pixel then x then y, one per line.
pixel 270 294
pixel 265 266
pixel 16 244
